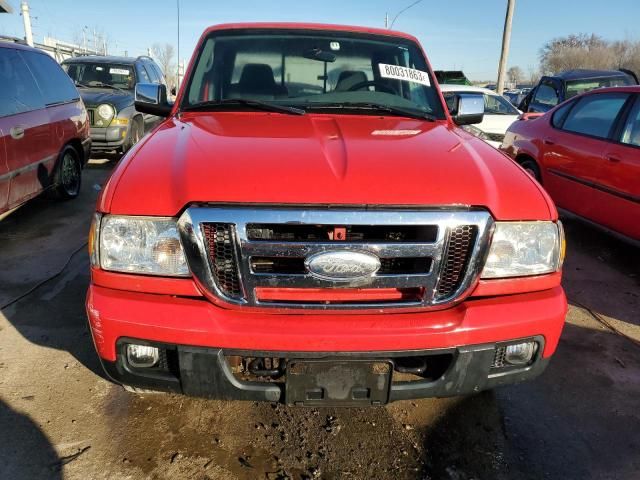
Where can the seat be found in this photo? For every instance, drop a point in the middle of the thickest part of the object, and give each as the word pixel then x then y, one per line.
pixel 257 81
pixel 349 78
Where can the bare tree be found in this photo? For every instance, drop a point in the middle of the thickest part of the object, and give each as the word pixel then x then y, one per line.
pixel 588 51
pixel 534 75
pixel 515 75
pixel 164 55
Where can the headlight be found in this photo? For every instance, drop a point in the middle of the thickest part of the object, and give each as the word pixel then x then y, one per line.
pixel 141 245
pixel 473 130
pixel 525 248
pixel 105 113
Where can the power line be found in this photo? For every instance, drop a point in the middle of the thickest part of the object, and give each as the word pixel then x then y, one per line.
pixel 402 11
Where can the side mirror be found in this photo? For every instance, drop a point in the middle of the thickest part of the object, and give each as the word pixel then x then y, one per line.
pixel 151 98
pixel 469 108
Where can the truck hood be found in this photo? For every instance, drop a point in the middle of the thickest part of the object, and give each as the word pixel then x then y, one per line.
pixel 92 97
pixel 249 157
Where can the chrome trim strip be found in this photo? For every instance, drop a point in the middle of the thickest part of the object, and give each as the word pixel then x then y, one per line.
pixel 189 225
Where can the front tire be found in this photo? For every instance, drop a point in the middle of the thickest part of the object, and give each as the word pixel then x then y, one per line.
pixel 137 132
pixel 67 178
pixel 531 167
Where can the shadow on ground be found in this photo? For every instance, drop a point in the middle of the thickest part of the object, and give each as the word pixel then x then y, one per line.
pixel 37 241
pixel 29 455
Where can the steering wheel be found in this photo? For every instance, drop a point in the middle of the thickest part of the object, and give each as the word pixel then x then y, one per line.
pixel 373 83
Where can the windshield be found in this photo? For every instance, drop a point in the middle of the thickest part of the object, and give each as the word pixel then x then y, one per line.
pixel 101 74
pixel 497 105
pixel 577 87
pixel 313 71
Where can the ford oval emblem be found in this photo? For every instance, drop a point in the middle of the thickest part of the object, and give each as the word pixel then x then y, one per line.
pixel 342 265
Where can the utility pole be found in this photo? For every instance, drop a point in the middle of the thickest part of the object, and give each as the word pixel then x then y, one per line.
pixel 26 19
pixel 386 20
pixel 506 40
pixel 178 55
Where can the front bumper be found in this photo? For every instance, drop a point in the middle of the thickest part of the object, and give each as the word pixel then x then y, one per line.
pixel 109 138
pixel 206 372
pixel 202 334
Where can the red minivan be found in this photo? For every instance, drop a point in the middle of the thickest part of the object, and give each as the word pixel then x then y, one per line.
pixel 586 154
pixel 44 128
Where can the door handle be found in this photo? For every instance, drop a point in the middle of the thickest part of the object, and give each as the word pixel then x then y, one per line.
pixel 546 141
pixel 613 159
pixel 17 132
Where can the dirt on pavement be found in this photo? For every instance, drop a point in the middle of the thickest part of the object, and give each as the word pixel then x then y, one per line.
pixel 60 418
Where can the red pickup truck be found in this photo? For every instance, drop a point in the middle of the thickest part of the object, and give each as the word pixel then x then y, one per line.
pixel 309 225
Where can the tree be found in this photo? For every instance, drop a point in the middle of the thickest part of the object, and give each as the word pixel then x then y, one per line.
pixel 164 54
pixel 515 75
pixel 579 51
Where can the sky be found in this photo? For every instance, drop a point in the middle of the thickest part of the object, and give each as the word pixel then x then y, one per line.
pixel 462 34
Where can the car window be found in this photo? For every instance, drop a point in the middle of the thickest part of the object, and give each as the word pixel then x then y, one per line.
pixel 546 94
pixel 595 115
pixel 100 74
pixel 159 73
pixel 497 105
pixel 631 132
pixel 314 71
pixel 560 114
pixel 55 85
pixel 18 89
pixel 143 76
pixel 577 87
pixel 151 72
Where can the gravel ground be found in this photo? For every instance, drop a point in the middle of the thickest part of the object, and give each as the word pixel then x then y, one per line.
pixel 59 417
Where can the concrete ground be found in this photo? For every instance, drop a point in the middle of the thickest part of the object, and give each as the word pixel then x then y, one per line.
pixel 59 417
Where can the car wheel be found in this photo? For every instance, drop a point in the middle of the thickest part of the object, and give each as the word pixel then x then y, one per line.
pixel 531 167
pixel 137 132
pixel 67 178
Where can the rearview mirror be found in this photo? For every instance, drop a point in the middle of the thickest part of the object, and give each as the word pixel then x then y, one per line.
pixel 469 108
pixel 151 98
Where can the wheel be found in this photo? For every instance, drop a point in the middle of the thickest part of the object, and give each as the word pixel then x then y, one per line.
pixel 137 132
pixel 67 177
pixel 531 167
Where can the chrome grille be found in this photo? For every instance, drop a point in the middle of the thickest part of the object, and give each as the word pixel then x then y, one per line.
pixel 91 116
pixel 237 252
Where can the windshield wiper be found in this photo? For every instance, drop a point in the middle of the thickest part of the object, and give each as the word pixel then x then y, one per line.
pixel 81 85
pixel 270 107
pixel 405 112
pixel 106 85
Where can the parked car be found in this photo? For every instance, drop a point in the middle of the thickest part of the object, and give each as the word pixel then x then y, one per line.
pixel 349 245
pixel 553 90
pixel 107 85
pixel 586 154
pixel 516 95
pixel 44 128
pixel 499 113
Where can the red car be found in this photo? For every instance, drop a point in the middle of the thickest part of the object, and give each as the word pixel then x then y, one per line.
pixel 586 154
pixel 44 128
pixel 309 224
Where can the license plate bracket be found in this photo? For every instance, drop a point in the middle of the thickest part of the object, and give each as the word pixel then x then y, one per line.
pixel 329 382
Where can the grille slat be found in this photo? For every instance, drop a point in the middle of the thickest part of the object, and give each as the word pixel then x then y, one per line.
pixel 461 241
pixel 222 257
